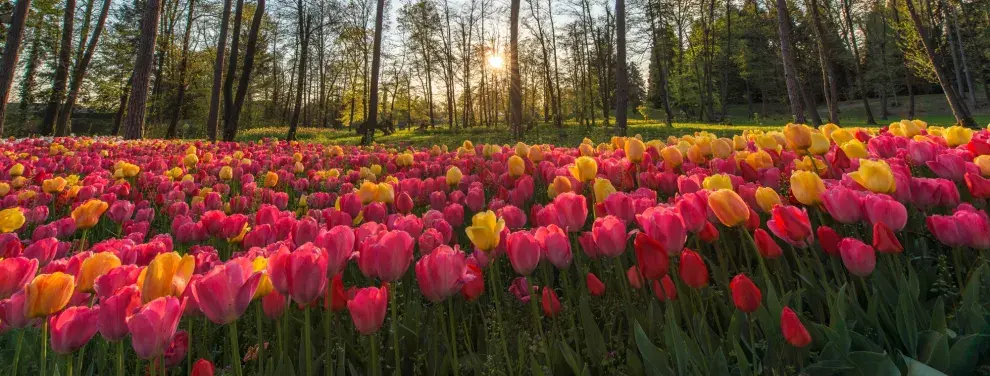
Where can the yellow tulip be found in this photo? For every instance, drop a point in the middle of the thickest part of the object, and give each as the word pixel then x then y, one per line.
pixel 811 164
pixel 297 157
pixel 584 169
pixel 855 149
pixel 672 156
pixel 586 150
pixel 485 230
pixel 47 294
pixel 368 191
pixel 128 170
pixel 4 189
pixel 695 154
pixel 271 179
pixel 827 130
pixel 53 185
pixel 166 275
pixel 265 287
pixel 88 214
pixel 875 176
pixel 385 193
pixel 739 142
pixel 16 170
pixel 721 148
pixel 226 173
pixel 767 198
pixel 729 208
pixel 958 135
pixel 190 160
pixel 767 141
pixel 535 153
pixel 983 162
pixel 517 167
pixel 759 159
pixel 635 149
pixel 19 182
pixel 819 144
pixel 376 169
pixel 807 187
pixel 454 175
pixel 717 181
pixel 93 267
pixel 841 136
pixel 11 219
pixel 521 149
pixel 798 136
pixel 603 188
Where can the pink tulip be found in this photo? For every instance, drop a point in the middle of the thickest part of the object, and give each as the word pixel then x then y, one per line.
pixel 524 252
pixel 454 214
pixel 410 224
pixel 305 231
pixel 975 226
pixel 153 326
pixel 949 166
pixel 114 310
pixel 610 236
pixel 665 226
pixel 550 302
pixel 441 273
pixel 555 245
pixel 120 211
pixel 882 208
pixel 301 274
pixel 43 251
pixel 273 305
pixel 693 208
pixel 521 289
pixel 12 311
pixel 10 244
pixel 368 309
pixel 547 215
pixel 338 243
pixel 117 278
pixel 225 292
pixel 572 211
pixel 791 225
pixel 72 328
pixel 587 242
pixel 843 204
pixel 15 273
pixel 390 255
pixel 921 152
pixel 858 257
pixel 620 205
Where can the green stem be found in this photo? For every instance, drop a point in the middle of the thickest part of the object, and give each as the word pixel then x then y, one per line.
pixel 44 348
pixel 261 337
pixel 308 343
pixel 68 364
pixel 189 363
pixel 235 349
pixel 498 314
pixel 373 361
pixel 394 328
pixel 17 352
pixel 327 318
pixel 120 358
pixel 534 304
pixel 453 337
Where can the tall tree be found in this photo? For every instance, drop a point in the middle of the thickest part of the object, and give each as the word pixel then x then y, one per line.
pixel 230 125
pixel 212 120
pixel 371 123
pixel 79 71
pixel 11 50
pixel 61 72
pixel 305 33
pixel 621 69
pixel 790 69
pixel 137 104
pixel 515 85
pixel 857 63
pixel 180 96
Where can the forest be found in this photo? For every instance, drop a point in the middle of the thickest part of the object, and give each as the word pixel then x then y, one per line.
pixel 208 69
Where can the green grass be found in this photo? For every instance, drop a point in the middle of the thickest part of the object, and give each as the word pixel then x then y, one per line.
pixel 930 108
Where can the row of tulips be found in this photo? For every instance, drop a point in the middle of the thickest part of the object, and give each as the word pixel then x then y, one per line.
pixel 818 251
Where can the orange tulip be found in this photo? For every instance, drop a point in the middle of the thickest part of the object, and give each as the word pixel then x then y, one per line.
pixel 88 214
pixel 47 294
pixel 730 209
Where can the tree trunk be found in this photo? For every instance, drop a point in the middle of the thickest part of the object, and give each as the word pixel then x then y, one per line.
pixel 965 65
pixel 79 72
pixel 959 110
pixel 29 80
pixel 303 53
pixel 558 120
pixel 11 50
pixel 515 84
pixel 371 123
pixel 143 63
pixel 61 72
pixel 857 63
pixel 621 69
pixel 790 71
pixel 231 123
pixel 180 96
pixel 228 80
pixel 212 120
pixel 829 80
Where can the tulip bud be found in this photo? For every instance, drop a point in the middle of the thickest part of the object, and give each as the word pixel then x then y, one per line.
pixel 665 289
pixel 884 240
pixel 595 285
pixel 793 330
pixel 829 240
pixel 745 295
pixel 550 302
pixel 859 258
pixel 692 269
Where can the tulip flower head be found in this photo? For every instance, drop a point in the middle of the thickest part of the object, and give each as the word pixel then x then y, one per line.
pixel 485 230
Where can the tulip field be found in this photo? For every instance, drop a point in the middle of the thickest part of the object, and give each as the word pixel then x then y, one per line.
pixel 818 251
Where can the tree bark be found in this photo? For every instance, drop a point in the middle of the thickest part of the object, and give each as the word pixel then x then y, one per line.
pixel 959 110
pixel 301 71
pixel 79 72
pixel 371 122
pixel 790 71
pixel 212 120
pixel 230 125
pixel 515 84
pixel 11 50
pixel 621 69
pixel 180 96
pixel 228 80
pixel 61 73
pixel 857 63
pixel 134 121
pixel 831 86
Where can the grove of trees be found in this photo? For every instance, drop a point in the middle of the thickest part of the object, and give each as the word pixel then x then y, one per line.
pixel 212 68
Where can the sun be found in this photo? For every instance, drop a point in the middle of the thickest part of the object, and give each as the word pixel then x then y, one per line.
pixel 495 61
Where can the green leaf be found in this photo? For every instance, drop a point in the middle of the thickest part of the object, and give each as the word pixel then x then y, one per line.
pixel 592 335
pixel 970 314
pixel 933 349
pixel 719 365
pixel 965 353
pixel 860 342
pixel 828 367
pixel 654 362
pixel 534 367
pixel 736 339
pixel 916 368
pixel 938 316
pixel 874 364
pixel 572 358
pixel 674 340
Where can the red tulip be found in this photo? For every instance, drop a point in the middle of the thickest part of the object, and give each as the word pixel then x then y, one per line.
pixel 476 285
pixel 709 234
pixel 116 279
pixel 441 273
pixel 13 313
pixel 338 243
pixel 634 277
pixel 587 242
pixel 650 256
pixel 791 225
pixel 882 208
pixel 745 295
pixel 884 240
pixel 368 309
pixel 692 270
pixel 225 292
pixel 301 274
pixel 572 211
pixel 176 351
pixel 390 254
pixel 524 252
pixel 766 245
pixel 829 240
pixel 10 244
pixel 555 245
pixel 403 203
pixel 550 303
pixel 595 285
pixel 114 310
pixel 610 236
pixel 859 258
pixel 153 326
pixel 521 289
pixel 793 329
pixel 273 305
pixel 665 289
pixel 15 273
pixel 72 328
pixel 202 367
pixel 665 226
